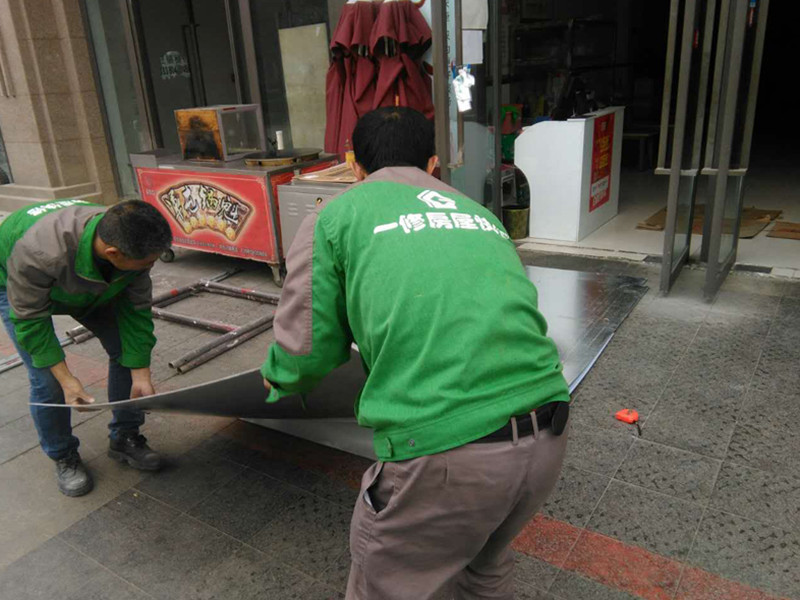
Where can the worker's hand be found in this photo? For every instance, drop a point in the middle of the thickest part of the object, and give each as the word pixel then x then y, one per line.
pixel 142 384
pixel 74 394
pixel 267 385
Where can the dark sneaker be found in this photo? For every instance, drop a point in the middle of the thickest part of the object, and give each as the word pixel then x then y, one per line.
pixel 73 478
pixel 133 449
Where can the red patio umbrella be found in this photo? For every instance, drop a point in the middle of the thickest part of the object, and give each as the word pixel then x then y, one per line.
pixel 399 39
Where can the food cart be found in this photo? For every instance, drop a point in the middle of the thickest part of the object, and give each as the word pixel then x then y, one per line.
pixel 227 207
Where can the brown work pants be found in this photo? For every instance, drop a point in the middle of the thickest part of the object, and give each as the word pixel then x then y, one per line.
pixel 448 519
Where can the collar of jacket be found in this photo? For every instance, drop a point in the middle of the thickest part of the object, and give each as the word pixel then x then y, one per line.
pixel 85 265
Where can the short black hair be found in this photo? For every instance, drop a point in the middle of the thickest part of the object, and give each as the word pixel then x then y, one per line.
pixel 137 229
pixel 393 136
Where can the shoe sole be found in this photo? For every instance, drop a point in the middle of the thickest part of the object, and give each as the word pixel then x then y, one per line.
pixel 125 459
pixel 78 492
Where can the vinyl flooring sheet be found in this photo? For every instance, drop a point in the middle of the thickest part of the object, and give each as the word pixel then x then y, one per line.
pixel 583 310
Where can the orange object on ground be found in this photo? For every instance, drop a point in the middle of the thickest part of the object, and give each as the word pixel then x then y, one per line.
pixel 627 415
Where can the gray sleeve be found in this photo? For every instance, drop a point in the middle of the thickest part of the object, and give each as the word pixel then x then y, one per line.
pixel 140 291
pixel 29 283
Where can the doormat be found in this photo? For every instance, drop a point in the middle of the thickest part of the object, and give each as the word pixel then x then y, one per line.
pixel 785 230
pixel 754 220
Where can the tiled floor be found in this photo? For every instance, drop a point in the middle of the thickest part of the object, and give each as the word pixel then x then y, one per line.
pixel 774 187
pixel 705 505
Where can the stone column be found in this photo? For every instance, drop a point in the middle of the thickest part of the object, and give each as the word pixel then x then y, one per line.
pixel 50 115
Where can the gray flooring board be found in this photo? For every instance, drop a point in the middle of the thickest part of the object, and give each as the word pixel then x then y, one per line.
pixel 596 449
pixel 571 585
pixel 310 534
pixel 187 480
pixel 670 471
pixel 152 546
pixel 749 552
pixel 658 523
pixel 771 498
pixel 245 504
pixel 575 496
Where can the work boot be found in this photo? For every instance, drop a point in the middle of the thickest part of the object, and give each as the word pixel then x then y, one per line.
pixel 132 448
pixel 73 478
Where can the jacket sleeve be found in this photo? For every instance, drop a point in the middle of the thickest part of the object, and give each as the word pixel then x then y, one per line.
pixel 312 334
pixel 28 288
pixel 135 322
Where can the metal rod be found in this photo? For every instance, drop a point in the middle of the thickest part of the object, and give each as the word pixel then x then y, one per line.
pixel 666 103
pixel 223 339
pixel 216 351
pixel 497 86
pixel 441 85
pixel 199 322
pixel 672 264
pixel 755 75
pixel 247 293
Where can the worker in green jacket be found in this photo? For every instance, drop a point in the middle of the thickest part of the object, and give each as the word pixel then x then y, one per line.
pixel 76 258
pixel 464 392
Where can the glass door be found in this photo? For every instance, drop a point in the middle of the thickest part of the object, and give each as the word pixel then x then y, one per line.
pixel 186 58
pixel 467 142
pixel 690 45
pixel 728 153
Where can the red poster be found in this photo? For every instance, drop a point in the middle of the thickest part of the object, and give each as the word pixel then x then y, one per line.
pixel 221 213
pixel 601 161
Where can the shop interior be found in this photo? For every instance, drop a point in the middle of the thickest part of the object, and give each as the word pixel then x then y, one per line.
pixel 613 53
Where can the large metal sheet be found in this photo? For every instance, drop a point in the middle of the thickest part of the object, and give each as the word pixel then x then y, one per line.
pixel 583 310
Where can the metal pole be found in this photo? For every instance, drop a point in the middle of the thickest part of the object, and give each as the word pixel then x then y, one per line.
pixel 666 101
pixel 246 293
pixel 193 321
pixel 441 97
pixel 216 351
pixel 221 340
pixel 497 84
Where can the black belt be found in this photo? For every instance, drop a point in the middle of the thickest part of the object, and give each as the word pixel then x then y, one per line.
pixel 553 415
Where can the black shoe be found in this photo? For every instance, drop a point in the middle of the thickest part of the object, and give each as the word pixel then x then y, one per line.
pixel 132 448
pixel 73 478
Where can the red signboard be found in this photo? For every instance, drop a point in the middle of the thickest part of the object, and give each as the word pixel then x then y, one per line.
pixel 602 147
pixel 222 213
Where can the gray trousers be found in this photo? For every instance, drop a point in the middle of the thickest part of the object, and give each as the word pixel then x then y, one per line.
pixel 449 519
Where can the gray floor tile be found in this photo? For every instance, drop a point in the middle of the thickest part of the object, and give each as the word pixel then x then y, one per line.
pixel 245 504
pixel 284 470
pixel 248 575
pixel 671 471
pixel 106 585
pixel 772 498
pixel 149 544
pixel 694 419
pixel 792 289
pixel 524 591
pixel 776 374
pixel 17 437
pixel 767 436
pixel 749 552
pixel 335 491
pixel 336 575
pixel 13 405
pixel 789 311
pixel 571 586
pixel 745 302
pixel 323 592
pixel 658 523
pixel 596 449
pixel 53 570
pixel 310 534
pixel 754 283
pixel 575 496
pixel 187 480
pixel 534 572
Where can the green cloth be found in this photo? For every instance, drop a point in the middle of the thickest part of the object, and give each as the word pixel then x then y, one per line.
pixel 55 272
pixel 432 291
